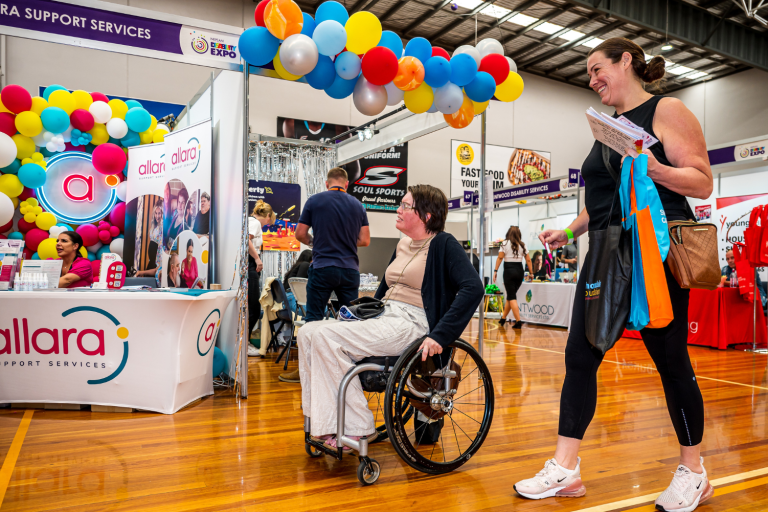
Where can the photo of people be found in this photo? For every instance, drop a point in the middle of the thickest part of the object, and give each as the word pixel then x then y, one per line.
pixel 201 226
pixel 175 211
pixel 144 224
pixel 187 262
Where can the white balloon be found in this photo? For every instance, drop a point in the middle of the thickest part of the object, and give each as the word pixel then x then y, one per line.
pixel 512 65
pixel 448 98
pixel 6 208
pixel 117 246
pixel 100 111
pixel 394 95
pixel 55 231
pixel 7 150
pixel 66 135
pixel 489 46
pixel 51 146
pixel 95 247
pixel 471 50
pixel 121 190
pixel 39 139
pixel 47 136
pixel 162 126
pixel 298 54
pixel 116 128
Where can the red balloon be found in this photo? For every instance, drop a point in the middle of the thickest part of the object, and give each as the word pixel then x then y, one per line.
pixel 117 216
pixel 25 226
pixel 28 253
pixel 27 193
pixel 7 227
pixel 16 98
pixel 3 237
pixel 70 147
pixel 82 120
pixel 380 65
pixel 258 15
pixel 97 96
pixel 33 238
pixel 496 66
pixel 8 123
pixel 90 234
pixel 95 267
pixel 439 52
pixel 109 158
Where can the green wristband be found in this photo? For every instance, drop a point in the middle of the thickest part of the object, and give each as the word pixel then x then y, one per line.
pixel 570 235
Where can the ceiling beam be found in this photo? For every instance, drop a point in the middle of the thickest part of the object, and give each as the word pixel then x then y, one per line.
pixel 435 36
pixel 498 22
pixel 393 10
pixel 567 46
pixel 722 74
pixel 360 7
pixel 573 26
pixel 426 17
pixel 549 16
pixel 708 4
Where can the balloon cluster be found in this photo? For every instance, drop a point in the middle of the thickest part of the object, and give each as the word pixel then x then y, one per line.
pixel 351 55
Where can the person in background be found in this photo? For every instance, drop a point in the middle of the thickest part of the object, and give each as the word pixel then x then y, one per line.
pixel 155 235
pixel 299 269
pixel 202 220
pixel 538 269
pixel 568 255
pixel 174 278
pixel 189 267
pixel 76 271
pixel 189 215
pixel 727 270
pixel 512 252
pixel 176 225
pixel 340 226
pixel 262 215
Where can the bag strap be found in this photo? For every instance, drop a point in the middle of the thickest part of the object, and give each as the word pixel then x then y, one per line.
pixel 607 161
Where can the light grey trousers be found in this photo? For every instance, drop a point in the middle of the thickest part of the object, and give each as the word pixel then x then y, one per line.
pixel 328 349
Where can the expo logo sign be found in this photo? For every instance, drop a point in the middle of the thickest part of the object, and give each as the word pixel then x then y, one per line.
pixel 60 339
pixel 207 336
pixel 753 151
pixel 186 157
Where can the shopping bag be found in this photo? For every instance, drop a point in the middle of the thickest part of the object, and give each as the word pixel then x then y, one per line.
pixel 647 196
pixel 752 236
pixel 638 312
pixel 744 271
pixel 657 294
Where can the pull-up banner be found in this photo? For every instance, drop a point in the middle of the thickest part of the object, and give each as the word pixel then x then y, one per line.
pixel 100 25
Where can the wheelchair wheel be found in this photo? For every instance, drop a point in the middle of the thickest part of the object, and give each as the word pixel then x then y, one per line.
pixel 368 471
pixel 312 451
pixel 378 412
pixel 465 411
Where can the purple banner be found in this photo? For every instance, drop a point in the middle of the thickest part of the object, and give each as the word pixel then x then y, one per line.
pixel 534 189
pixel 721 156
pixel 92 24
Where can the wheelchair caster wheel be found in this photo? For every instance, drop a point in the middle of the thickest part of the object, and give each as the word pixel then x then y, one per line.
pixel 311 451
pixel 368 471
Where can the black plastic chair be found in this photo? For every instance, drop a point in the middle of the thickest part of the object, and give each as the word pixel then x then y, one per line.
pixel 284 317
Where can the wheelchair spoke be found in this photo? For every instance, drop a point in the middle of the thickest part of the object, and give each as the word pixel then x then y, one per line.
pixel 433 450
pixel 465 433
pixel 441 445
pixel 453 424
pixel 470 417
pixel 468 392
pixel 467 375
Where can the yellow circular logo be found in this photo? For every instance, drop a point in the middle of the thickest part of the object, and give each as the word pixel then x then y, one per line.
pixel 464 154
pixel 204 257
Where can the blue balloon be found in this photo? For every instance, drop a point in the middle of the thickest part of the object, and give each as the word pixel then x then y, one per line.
pixel 463 69
pixel 138 119
pixel 91 256
pixel 13 168
pixel 131 139
pixel 348 65
pixel 133 104
pixel 219 361
pixel 341 88
pixel 330 38
pixel 323 75
pixel 437 71
pixel 89 148
pixel 120 236
pixel 258 46
pixel 32 175
pixel 482 88
pixel 392 41
pixel 48 90
pixel 331 11
pixel 16 235
pixel 309 25
pixel 420 48
pixel 35 256
pixel 54 119
pixel 69 228
pixel 102 250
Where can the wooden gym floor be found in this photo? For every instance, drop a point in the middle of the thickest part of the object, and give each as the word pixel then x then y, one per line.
pixel 225 454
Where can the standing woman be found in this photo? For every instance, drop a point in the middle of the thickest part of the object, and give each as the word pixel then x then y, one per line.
pixel 512 252
pixel 261 216
pixel 679 166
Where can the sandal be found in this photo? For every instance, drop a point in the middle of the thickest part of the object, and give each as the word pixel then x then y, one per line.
pixel 321 439
pixel 331 444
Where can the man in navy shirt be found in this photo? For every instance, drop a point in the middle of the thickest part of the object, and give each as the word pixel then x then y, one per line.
pixel 340 225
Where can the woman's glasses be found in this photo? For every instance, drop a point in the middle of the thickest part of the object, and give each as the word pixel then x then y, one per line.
pixel 405 206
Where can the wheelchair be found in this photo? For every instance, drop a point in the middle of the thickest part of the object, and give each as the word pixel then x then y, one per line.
pixel 436 413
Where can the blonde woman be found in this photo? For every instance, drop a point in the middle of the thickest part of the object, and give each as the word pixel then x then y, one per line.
pixel 155 235
pixel 262 215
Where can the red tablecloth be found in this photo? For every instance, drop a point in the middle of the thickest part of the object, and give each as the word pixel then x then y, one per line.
pixel 719 318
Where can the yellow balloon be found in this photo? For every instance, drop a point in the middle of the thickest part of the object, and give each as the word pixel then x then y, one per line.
pixel 38 105
pixel 420 99
pixel 154 123
pixel 47 249
pixel 146 137
pixel 99 134
pixel 510 89
pixel 83 251
pixel 29 124
pixel 15 202
pixel 10 185
pixel 281 70
pixel 363 32
pixel 480 107
pixel 30 217
pixel 45 221
pixel 83 99
pixel 158 135
pixel 62 99
pixel 3 109
pixel 32 202
pixel 37 158
pixel 25 146
pixel 119 108
pixel 37 210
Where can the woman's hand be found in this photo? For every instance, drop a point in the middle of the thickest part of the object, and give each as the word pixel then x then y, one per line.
pixel 259 265
pixel 654 166
pixel 430 347
pixel 556 238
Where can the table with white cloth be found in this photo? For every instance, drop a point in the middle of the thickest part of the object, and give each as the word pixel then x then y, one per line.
pixel 150 350
pixel 546 303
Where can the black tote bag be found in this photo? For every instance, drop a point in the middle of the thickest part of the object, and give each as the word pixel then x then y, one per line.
pixel 608 279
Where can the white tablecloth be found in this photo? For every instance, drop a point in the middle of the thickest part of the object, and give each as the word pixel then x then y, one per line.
pixel 546 303
pixel 144 350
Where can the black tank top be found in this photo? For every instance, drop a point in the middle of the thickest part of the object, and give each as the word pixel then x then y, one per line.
pixel 600 188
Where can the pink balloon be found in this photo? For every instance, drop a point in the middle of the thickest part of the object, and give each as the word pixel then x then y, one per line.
pixel 16 98
pixel 82 120
pixel 8 124
pixel 103 225
pixel 117 216
pixel 96 267
pixel 109 158
pixel 90 234
pixel 33 238
pixel 97 96
pixel 113 230
pixel 105 237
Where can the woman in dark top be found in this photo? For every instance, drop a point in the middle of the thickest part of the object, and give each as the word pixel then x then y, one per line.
pixel 299 269
pixel 679 166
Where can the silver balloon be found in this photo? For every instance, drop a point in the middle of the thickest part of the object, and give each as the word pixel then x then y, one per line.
pixel 489 46
pixel 471 50
pixel 394 95
pixel 298 54
pixel 369 99
pixel 433 108
pixel 512 65
pixel 448 98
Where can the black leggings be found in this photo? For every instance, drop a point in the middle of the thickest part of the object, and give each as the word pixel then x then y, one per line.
pixel 254 306
pixel 668 348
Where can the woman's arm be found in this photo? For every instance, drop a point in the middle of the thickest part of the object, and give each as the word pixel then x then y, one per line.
pixel 557 238
pixel 68 279
pixel 530 264
pixel 498 263
pixel 255 255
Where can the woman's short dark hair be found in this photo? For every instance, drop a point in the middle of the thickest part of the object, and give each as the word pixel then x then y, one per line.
pixel 190 243
pixel 615 47
pixel 75 238
pixel 430 200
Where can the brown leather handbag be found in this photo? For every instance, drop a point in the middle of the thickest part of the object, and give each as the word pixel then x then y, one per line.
pixel 692 255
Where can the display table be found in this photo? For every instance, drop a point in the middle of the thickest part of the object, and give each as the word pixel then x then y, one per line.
pixel 546 303
pixel 148 350
pixel 719 318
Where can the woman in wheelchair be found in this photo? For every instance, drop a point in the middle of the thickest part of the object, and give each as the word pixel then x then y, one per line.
pixel 430 288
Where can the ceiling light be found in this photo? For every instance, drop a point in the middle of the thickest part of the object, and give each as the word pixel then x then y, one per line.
pixel 572 35
pixel 593 42
pixel 666 47
pixel 522 19
pixel 361 136
pixel 549 28
pixel 695 75
pixel 679 70
pixel 368 133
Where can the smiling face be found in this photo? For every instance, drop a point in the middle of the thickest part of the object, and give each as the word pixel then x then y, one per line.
pixel 730 259
pixel 205 204
pixel 158 215
pixel 607 79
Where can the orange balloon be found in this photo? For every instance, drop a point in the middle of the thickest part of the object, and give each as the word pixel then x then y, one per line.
pixel 283 18
pixel 462 117
pixel 410 74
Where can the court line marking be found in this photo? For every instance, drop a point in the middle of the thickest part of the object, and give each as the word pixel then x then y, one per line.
pixel 6 472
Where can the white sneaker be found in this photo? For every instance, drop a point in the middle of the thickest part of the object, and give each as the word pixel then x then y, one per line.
pixel 686 492
pixel 252 351
pixel 552 481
